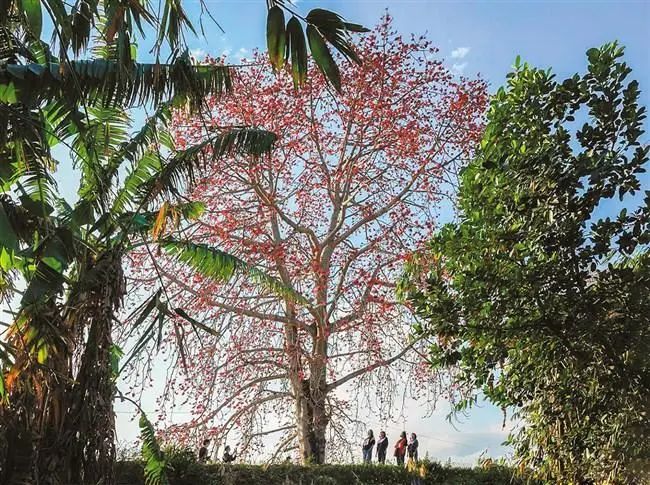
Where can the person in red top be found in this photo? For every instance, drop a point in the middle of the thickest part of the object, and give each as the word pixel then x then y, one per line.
pixel 400 448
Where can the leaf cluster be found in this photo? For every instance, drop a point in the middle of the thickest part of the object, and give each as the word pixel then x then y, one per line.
pixel 286 42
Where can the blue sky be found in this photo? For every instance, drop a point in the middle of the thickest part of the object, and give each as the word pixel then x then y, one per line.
pixel 474 37
pixel 544 33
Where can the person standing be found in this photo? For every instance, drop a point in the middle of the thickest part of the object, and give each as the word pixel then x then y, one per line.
pixel 203 451
pixel 227 457
pixel 400 449
pixel 412 448
pixel 412 463
pixel 368 445
pixel 382 446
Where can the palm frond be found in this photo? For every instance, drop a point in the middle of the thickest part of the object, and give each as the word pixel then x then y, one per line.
pixel 221 266
pixel 143 151
pixel 336 30
pixel 105 82
pixel 117 21
pixel 323 26
pixel 156 311
pixel 153 304
pixel 25 157
pixel 151 135
pixel 98 139
pixel 172 23
pixel 153 177
pixel 149 164
pixel 84 15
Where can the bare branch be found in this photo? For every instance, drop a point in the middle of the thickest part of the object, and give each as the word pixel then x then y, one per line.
pixel 368 368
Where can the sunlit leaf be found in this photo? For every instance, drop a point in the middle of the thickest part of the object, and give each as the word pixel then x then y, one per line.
pixel 32 10
pixel 323 57
pixel 296 50
pixel 275 36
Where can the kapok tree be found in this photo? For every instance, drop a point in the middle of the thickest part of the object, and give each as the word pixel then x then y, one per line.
pixel 353 186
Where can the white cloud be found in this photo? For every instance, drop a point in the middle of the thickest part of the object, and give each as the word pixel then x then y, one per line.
pixel 460 52
pixel 198 54
pixel 459 68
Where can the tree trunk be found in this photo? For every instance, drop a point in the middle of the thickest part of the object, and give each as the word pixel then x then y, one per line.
pixel 91 412
pixel 310 409
pixel 312 420
pixel 58 425
pixel 310 391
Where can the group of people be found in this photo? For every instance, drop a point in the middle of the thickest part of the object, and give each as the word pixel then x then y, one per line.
pixel 228 457
pixel 403 448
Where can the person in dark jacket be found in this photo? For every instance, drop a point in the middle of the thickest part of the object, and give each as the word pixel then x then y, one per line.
pixel 368 445
pixel 412 448
pixel 203 451
pixel 382 446
pixel 400 449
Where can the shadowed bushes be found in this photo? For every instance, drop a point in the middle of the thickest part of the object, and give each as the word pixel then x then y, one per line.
pixel 186 472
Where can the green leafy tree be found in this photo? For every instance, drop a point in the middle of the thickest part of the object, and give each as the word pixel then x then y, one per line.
pixel 533 298
pixel 61 266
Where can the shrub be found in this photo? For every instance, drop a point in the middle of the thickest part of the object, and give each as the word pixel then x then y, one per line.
pixel 192 473
pixel 181 462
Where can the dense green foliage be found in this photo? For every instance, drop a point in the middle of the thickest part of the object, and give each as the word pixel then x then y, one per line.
pixel 535 299
pixel 187 472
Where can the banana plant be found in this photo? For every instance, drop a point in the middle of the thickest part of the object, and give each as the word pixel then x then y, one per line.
pixel 57 353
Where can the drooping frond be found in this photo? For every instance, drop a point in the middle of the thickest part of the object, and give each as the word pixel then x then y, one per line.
pixel 118 22
pixel 153 177
pixel 336 31
pixel 156 311
pixel 26 162
pixel 221 266
pixel 287 42
pixel 100 81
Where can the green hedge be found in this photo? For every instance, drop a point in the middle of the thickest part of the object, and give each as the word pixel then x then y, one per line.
pixel 187 473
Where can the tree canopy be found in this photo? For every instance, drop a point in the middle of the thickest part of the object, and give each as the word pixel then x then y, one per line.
pixel 534 298
pixel 353 185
